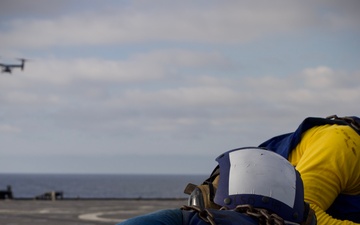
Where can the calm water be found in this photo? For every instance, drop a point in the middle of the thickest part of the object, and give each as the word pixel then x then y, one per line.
pixel 99 186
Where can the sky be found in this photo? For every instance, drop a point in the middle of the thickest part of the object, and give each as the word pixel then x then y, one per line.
pixel 164 87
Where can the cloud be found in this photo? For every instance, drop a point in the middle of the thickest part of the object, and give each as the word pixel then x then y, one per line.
pixel 6 128
pixel 159 77
pixel 220 104
pixel 137 68
pixel 10 8
pixel 169 90
pixel 202 112
pixel 228 22
pixel 27 98
pixel 320 77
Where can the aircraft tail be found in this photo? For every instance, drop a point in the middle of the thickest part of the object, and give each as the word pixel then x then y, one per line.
pixel 22 63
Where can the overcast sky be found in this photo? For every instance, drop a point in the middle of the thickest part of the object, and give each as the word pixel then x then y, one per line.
pixel 167 86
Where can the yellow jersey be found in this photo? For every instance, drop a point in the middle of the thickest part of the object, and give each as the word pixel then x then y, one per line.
pixel 328 159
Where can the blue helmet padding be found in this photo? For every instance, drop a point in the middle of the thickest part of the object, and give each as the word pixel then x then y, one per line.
pixel 291 212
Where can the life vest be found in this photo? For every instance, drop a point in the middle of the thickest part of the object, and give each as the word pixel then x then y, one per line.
pixel 345 207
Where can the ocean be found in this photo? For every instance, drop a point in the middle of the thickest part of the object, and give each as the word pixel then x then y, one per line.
pixel 99 185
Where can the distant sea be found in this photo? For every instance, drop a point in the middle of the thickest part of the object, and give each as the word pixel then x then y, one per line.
pixel 99 185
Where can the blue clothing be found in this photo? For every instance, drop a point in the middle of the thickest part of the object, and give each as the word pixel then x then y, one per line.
pixel 225 217
pixel 346 207
pixel 162 217
pixel 185 217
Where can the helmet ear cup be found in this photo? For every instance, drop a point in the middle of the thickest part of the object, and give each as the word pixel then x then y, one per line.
pixel 208 192
pixel 196 198
pixel 202 196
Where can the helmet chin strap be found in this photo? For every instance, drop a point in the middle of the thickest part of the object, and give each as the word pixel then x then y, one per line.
pixel 309 216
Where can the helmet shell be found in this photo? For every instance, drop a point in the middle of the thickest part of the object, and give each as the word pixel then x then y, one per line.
pixel 261 178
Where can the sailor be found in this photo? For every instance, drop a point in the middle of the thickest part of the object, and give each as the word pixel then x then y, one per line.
pixel 326 152
pixel 249 186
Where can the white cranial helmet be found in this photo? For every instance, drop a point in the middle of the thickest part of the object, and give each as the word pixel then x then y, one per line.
pixel 262 179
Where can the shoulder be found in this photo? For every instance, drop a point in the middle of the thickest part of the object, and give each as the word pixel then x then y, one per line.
pixel 332 135
pixel 330 148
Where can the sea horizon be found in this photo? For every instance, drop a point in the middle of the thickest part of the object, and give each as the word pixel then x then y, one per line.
pixel 102 186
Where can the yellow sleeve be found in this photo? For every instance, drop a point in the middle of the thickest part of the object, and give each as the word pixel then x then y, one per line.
pixel 328 159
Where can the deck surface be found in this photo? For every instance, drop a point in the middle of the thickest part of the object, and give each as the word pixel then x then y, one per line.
pixel 78 212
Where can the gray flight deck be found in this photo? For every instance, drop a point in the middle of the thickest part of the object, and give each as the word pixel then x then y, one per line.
pixel 78 212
